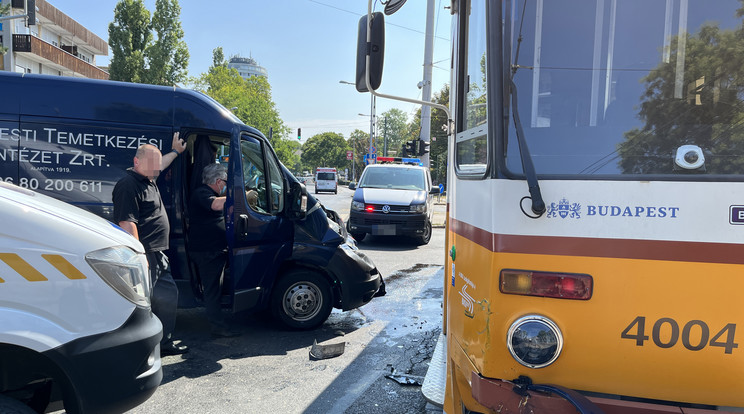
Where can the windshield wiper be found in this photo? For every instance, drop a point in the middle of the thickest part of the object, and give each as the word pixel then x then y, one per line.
pixel 538 205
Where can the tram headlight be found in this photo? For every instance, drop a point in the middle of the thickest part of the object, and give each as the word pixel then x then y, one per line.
pixel 534 341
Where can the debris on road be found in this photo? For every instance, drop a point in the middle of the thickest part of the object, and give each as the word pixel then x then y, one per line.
pixel 406 379
pixel 318 352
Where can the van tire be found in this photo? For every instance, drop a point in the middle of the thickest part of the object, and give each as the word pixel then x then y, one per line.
pixel 301 299
pixel 358 236
pixel 426 237
pixel 12 406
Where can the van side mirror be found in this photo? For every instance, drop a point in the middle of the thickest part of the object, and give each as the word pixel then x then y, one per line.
pixel 297 201
pixel 352 186
pixel 375 49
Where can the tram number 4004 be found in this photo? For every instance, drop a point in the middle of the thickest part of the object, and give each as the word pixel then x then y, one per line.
pixel 695 334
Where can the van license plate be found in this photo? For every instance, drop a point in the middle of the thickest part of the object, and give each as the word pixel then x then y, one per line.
pixel 384 230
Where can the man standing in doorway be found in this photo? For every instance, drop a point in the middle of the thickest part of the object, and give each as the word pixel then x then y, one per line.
pixel 138 209
pixel 208 244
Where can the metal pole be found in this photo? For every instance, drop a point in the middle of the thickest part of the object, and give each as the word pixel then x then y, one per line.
pixel 426 89
pixel 384 137
pixel 371 130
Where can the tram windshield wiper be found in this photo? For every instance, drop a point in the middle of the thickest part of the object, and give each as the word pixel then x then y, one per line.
pixel 538 205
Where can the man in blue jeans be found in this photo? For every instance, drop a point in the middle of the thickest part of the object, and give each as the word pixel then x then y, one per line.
pixel 208 244
pixel 138 209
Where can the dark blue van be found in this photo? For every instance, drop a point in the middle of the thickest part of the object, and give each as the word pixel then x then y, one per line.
pixel 73 139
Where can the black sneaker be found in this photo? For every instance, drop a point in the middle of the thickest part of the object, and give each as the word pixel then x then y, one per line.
pixel 173 349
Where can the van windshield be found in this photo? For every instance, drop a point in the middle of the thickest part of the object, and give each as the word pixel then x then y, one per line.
pixel 394 178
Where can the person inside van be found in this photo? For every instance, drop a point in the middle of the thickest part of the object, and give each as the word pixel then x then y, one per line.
pixel 208 244
pixel 139 210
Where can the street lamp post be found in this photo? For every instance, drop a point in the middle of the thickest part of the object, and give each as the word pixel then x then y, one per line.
pixel 373 101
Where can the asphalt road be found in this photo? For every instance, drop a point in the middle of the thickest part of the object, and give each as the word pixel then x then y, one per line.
pixel 268 368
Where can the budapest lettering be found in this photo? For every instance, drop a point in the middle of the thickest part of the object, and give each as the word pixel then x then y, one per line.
pixel 635 211
pixel 565 209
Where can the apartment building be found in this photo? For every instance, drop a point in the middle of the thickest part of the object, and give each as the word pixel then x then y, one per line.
pixel 55 45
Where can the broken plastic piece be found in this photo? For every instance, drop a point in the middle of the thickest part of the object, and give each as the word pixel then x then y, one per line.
pixel 405 379
pixel 326 351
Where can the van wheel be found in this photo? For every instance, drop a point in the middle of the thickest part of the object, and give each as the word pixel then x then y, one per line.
pixel 426 237
pixel 358 236
pixel 301 300
pixel 12 406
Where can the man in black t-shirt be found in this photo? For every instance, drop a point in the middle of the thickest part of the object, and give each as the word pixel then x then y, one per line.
pixel 139 210
pixel 207 242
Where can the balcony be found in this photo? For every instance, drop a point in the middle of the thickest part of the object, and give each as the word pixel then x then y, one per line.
pixel 23 43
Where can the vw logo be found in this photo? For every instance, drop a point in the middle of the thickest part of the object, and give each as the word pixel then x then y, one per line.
pixel 386 209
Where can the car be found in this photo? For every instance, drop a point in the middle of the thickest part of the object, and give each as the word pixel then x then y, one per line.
pixel 393 198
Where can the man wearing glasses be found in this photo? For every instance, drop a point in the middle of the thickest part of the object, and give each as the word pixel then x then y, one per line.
pixel 207 242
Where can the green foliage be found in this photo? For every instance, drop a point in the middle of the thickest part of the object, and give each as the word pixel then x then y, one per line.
pixel 325 150
pixel 359 143
pixel 252 103
pixel 218 57
pixel 4 9
pixel 129 36
pixel 393 127
pixel 136 57
pixel 168 55
pixel 438 144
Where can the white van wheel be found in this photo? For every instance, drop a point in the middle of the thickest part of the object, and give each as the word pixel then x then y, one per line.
pixel 302 300
pixel 426 237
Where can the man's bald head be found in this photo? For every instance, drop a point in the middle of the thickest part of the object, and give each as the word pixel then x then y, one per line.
pixel 147 161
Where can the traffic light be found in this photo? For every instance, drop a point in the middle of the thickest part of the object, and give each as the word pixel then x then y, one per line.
pixel 31 5
pixel 422 147
pixel 299 134
pixel 409 148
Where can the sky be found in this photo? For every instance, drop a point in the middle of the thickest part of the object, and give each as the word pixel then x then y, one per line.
pixel 307 47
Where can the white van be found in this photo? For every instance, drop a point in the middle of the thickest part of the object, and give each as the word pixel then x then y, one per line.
pixel 326 179
pixel 76 329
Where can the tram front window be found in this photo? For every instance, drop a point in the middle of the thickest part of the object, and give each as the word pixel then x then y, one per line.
pixel 612 87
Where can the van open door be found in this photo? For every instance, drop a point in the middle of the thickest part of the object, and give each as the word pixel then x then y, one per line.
pixel 260 237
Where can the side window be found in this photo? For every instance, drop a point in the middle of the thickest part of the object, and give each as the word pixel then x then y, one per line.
pixel 276 194
pixel 471 146
pixel 254 174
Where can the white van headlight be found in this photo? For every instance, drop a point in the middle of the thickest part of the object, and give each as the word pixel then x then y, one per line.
pixel 124 270
pixel 357 205
pixel 417 208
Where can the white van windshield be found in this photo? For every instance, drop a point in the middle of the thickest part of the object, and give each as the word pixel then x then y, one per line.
pixel 394 178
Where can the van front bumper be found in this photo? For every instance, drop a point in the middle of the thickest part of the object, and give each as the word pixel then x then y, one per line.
pixel 359 279
pixel 391 224
pixel 114 371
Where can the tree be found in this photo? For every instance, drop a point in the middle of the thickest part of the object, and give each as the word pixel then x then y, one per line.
pixel 252 101
pixel 327 149
pixel 168 56
pixel 218 57
pixel 129 36
pixel 4 9
pixel 392 124
pixel 438 144
pixel 359 143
